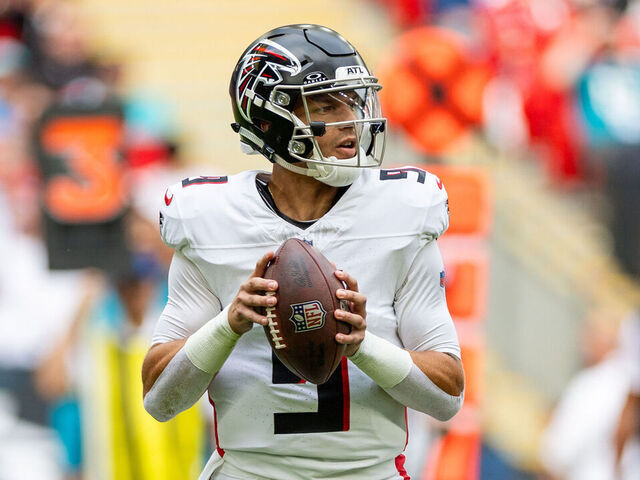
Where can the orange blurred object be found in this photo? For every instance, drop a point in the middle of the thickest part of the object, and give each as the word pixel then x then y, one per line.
pixel 457 457
pixel 474 362
pixel 469 198
pixel 462 292
pixel 457 454
pixel 432 88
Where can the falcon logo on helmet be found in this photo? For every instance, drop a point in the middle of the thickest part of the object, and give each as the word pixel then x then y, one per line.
pixel 262 64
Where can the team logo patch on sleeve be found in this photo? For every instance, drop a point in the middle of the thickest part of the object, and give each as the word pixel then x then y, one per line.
pixel 442 278
pixel 307 316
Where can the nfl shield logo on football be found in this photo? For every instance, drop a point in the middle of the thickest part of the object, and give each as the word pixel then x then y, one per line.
pixel 307 316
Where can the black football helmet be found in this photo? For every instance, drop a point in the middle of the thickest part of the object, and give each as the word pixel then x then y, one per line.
pixel 281 72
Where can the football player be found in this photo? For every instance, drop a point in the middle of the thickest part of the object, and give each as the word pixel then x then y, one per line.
pixel 303 97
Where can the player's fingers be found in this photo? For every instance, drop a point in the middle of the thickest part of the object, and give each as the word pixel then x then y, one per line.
pixel 348 339
pixel 251 315
pixel 357 299
pixel 251 300
pixel 261 265
pixel 355 337
pixel 352 283
pixel 355 320
pixel 241 317
pixel 258 284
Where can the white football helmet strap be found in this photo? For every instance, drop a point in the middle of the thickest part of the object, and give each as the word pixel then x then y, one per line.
pixel 333 175
pixel 276 158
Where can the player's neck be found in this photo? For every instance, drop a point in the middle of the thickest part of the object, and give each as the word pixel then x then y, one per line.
pixel 298 197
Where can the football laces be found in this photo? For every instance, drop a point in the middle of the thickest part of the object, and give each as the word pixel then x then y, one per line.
pixel 273 326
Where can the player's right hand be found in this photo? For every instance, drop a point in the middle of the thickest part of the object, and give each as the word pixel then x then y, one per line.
pixel 356 315
pixel 242 312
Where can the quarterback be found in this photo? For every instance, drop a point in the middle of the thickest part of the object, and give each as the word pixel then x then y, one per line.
pixel 303 97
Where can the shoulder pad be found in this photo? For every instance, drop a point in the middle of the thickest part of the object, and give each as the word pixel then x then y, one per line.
pixel 423 193
pixel 183 203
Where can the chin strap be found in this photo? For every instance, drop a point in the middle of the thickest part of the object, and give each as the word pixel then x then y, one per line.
pixel 295 169
pixel 271 154
pixel 334 175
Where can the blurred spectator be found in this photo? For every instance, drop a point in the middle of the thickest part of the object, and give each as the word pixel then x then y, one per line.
pixel 35 308
pixel 578 443
pixel 44 60
pixel 91 376
pixel 60 50
pixel 153 155
pixel 628 427
pixel 52 381
pixel 123 442
pixel 36 305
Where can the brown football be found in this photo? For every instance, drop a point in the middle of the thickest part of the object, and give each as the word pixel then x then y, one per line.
pixel 302 327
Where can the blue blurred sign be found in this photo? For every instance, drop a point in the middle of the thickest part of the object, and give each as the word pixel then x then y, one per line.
pixel 609 103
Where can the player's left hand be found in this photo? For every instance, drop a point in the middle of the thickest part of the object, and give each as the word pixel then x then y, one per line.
pixel 356 318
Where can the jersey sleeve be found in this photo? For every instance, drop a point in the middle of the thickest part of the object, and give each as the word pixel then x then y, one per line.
pixel 436 220
pixel 190 304
pixel 172 228
pixel 424 321
pixel 416 198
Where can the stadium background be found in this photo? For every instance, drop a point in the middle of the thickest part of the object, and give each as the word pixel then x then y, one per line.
pixel 529 110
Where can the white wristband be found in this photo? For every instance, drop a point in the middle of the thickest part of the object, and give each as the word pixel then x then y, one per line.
pixel 385 363
pixel 209 346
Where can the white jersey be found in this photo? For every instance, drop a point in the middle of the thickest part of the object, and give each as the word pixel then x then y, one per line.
pixel 382 232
